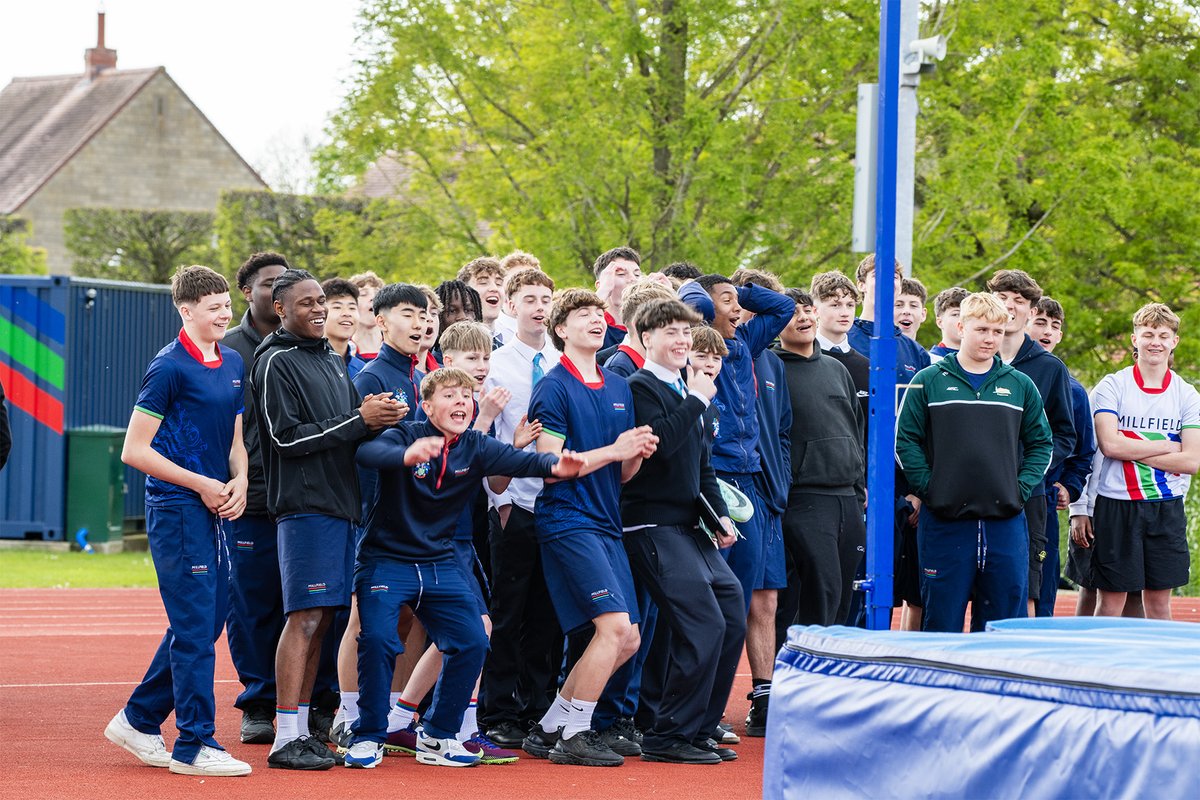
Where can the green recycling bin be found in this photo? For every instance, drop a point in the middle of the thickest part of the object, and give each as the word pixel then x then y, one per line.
pixel 96 486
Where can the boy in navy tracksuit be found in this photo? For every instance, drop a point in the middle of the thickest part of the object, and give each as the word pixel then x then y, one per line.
pixel 186 435
pixel 428 472
pixel 736 453
pixel 972 537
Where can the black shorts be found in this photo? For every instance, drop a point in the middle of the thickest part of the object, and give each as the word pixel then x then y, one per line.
pixel 1140 544
pixel 1035 522
pixel 908 568
pixel 1078 568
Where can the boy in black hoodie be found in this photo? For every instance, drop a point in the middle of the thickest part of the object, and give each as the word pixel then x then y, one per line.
pixel 1019 293
pixel 311 420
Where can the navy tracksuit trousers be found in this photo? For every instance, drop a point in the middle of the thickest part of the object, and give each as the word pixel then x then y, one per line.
pixel 255 607
pixel 192 564
pixel 445 604
pixel 988 559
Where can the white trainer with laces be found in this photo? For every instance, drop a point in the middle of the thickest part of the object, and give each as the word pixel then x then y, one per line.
pixel 211 762
pixel 444 752
pixel 364 755
pixel 149 748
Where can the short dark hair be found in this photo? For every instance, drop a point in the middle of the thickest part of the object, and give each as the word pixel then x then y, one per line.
pixel 609 256
pixel 251 266
pixel 799 297
pixel 1049 307
pixel 286 280
pixel 449 291
pixel 395 294
pixel 189 284
pixel 529 276
pixel 661 313
pixel 339 287
pixel 682 270
pixel 1017 281
pixel 830 285
pixel 947 299
pixel 914 288
pixel 707 282
pixel 566 302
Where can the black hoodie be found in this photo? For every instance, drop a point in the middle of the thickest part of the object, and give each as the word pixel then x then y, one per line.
pixel 310 427
pixel 1054 385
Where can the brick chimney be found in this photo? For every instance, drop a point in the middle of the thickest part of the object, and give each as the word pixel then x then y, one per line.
pixel 98 58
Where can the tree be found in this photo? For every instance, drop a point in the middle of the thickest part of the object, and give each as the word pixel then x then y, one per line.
pixel 16 256
pixel 137 245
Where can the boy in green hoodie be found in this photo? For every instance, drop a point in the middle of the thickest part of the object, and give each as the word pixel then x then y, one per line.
pixel 971 534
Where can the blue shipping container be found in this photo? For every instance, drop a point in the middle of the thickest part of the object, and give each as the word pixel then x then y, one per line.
pixel 72 353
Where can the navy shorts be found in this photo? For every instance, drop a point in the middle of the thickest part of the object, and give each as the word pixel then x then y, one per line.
pixel 466 558
pixel 774 570
pixel 316 559
pixel 588 575
pixel 748 556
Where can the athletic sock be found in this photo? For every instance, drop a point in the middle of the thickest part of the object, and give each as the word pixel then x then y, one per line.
pixel 302 718
pixel 393 698
pixel 287 726
pixel 401 716
pixel 349 708
pixel 555 716
pixel 470 723
pixel 761 688
pixel 579 719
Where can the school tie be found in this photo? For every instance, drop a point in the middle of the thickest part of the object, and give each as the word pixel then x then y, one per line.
pixel 681 387
pixel 539 371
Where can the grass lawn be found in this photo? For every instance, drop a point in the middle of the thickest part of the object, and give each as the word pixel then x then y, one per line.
pixel 31 569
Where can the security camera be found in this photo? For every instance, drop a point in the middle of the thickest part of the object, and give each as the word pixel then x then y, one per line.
pixel 924 53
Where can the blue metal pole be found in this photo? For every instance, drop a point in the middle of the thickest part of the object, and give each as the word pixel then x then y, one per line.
pixel 881 460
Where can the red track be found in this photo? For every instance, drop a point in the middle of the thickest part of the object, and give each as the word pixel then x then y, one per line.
pixel 69 659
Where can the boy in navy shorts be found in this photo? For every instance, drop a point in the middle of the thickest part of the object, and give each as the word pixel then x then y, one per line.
pixel 311 419
pixel 588 409
pixel 428 472
pixel 186 435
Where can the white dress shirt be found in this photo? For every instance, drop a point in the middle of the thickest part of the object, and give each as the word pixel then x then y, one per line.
pixel 505 327
pixel 512 368
pixel 828 346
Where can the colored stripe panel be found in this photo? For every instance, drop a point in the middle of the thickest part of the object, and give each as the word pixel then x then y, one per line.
pixel 31 353
pixel 47 320
pixel 23 394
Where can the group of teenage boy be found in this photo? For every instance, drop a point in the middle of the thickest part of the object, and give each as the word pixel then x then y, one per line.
pixel 489 518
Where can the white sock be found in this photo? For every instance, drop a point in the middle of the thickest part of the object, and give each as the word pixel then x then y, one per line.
pixel 287 727
pixel 349 708
pixel 302 719
pixel 579 719
pixel 393 698
pixel 470 723
pixel 401 716
pixel 556 715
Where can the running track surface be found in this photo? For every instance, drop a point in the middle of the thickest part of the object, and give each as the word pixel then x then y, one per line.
pixel 70 657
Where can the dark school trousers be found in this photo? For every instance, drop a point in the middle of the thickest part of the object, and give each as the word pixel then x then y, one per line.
pixel 1051 566
pixel 441 599
pixel 255 617
pixel 187 543
pixel 521 673
pixel 989 558
pixel 701 607
pixel 825 535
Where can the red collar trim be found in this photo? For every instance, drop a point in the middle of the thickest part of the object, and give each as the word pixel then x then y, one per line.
pixel 1137 378
pixel 194 351
pixel 638 360
pixel 571 368
pixel 431 363
pixel 612 323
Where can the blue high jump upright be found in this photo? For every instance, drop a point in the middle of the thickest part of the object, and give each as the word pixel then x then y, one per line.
pixel 881 461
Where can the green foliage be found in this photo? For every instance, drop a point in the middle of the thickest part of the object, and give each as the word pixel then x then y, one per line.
pixel 16 256
pixel 136 245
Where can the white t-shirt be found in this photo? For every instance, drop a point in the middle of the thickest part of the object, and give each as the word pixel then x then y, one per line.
pixel 1148 415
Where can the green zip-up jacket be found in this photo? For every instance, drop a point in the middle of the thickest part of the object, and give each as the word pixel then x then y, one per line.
pixel 968 454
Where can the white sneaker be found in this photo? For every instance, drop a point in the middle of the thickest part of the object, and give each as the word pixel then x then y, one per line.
pixel 364 755
pixel 443 752
pixel 149 748
pixel 212 762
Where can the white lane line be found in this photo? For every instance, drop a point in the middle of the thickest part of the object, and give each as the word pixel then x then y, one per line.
pixel 85 617
pixel 6 626
pixel 80 685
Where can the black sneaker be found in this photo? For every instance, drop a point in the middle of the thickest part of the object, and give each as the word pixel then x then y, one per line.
pixel 299 754
pixel 320 748
pixel 319 723
pixel 506 734
pixel 681 753
pixel 258 725
pixel 619 743
pixel 341 737
pixel 586 749
pixel 539 743
pixel 628 728
pixel 711 745
pixel 756 720
pixel 724 734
